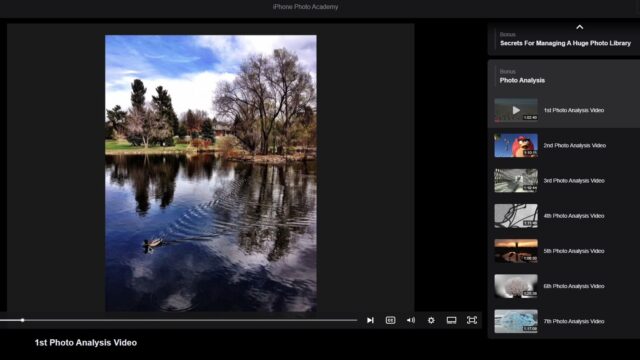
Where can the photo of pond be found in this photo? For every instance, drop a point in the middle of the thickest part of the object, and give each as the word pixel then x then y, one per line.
pixel 210 173
pixel 233 236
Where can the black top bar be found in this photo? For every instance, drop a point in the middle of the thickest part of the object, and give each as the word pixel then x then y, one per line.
pixel 212 9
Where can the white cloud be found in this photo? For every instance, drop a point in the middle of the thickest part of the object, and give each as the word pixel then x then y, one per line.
pixel 231 50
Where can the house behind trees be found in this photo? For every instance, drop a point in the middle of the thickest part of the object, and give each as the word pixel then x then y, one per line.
pixel 222 129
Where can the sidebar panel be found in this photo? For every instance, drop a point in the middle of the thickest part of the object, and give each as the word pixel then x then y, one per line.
pixel 563 214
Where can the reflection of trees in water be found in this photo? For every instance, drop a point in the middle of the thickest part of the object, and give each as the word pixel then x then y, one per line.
pixel 269 204
pixel 144 172
pixel 164 173
pixel 198 166
pixel 277 207
pixel 157 173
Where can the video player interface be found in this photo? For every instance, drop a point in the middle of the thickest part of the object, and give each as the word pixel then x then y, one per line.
pixel 449 171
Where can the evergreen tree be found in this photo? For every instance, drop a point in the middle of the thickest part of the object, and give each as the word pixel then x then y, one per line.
pixel 207 130
pixel 116 117
pixel 182 130
pixel 137 94
pixel 191 123
pixel 162 104
pixel 108 131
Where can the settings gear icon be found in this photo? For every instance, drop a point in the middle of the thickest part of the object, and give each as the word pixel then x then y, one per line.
pixel 431 320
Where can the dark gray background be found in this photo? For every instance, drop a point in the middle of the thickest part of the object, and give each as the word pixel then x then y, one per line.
pixel 365 167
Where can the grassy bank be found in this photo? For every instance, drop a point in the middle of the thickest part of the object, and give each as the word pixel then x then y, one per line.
pixel 224 146
pixel 115 147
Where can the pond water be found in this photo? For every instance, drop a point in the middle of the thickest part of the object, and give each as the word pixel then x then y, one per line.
pixel 235 236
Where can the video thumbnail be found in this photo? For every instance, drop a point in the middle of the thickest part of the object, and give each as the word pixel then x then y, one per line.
pixel 515 110
pixel 516 215
pixel 516 251
pixel 515 180
pixel 516 286
pixel 515 145
pixel 515 321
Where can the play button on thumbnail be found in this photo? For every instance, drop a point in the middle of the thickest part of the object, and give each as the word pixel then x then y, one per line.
pixel 515 110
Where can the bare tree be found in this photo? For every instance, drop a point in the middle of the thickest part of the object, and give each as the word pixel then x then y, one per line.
pixel 294 86
pixel 193 120
pixel 251 98
pixel 307 123
pixel 267 90
pixel 200 117
pixel 235 104
pixel 146 125
pixel 245 129
pixel 254 78
pixel 189 121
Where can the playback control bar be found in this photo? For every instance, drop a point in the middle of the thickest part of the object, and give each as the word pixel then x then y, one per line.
pixel 425 320
pixel 391 320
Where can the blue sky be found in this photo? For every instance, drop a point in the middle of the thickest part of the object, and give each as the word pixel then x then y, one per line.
pixel 189 67
pixel 502 146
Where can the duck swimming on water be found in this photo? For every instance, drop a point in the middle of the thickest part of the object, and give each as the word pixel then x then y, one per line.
pixel 150 245
pixel 153 243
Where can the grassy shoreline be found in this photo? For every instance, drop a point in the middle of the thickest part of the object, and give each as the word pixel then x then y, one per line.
pixel 122 147
pixel 151 150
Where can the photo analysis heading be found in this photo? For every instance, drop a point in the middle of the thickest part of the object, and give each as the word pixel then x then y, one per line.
pixel 305 7
pixel 565 44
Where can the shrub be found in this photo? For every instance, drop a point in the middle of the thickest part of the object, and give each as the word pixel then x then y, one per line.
pixel 134 139
pixel 226 147
pixel 201 144
pixel 109 132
